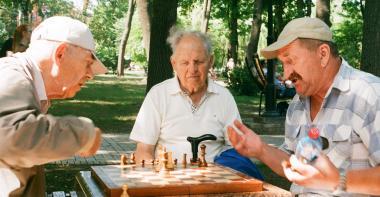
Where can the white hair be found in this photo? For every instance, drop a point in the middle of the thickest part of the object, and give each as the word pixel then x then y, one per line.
pixel 175 36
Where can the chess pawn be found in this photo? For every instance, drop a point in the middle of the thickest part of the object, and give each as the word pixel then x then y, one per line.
pixel 123 159
pixel 184 161
pixel 175 162
pixel 125 193
pixel 143 163
pixel 132 159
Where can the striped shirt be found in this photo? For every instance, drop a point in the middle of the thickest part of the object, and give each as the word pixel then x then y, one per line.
pixel 349 118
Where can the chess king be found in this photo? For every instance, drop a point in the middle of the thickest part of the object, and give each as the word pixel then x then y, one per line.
pixel 190 104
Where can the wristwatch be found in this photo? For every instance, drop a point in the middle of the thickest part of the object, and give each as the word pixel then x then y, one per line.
pixel 341 188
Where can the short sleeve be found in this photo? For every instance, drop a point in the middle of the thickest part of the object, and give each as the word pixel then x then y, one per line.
pixel 147 126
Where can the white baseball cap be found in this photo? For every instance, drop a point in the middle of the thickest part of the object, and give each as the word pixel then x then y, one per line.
pixel 66 29
pixel 306 27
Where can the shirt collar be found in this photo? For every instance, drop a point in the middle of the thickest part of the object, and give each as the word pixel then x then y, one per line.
pixel 341 81
pixel 37 76
pixel 176 89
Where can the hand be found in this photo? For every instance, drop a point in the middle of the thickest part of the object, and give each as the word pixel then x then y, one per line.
pixel 248 143
pixel 321 175
pixel 95 146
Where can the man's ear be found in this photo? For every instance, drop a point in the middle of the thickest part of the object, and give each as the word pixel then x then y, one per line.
pixel 60 53
pixel 324 54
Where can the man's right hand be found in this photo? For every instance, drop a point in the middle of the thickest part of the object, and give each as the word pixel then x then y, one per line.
pixel 246 142
pixel 95 146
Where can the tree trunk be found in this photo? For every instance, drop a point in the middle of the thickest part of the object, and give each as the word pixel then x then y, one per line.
pixel 233 25
pixel 301 8
pixel 144 17
pixel 308 8
pixel 85 6
pixel 255 31
pixel 124 38
pixel 205 15
pixel 323 11
pixel 371 38
pixel 164 16
pixel 278 19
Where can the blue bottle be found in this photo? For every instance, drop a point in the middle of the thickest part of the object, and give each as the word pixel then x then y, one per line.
pixel 309 147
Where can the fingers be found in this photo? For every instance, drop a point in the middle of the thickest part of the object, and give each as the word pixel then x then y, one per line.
pixel 326 167
pixel 233 135
pixel 95 146
pixel 242 128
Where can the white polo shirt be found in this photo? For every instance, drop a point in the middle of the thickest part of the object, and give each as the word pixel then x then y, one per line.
pixel 166 118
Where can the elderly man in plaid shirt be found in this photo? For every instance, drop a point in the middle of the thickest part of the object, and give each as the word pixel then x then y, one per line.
pixel 341 102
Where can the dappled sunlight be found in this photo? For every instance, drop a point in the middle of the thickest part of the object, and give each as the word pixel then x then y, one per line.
pixel 98 102
pixel 124 118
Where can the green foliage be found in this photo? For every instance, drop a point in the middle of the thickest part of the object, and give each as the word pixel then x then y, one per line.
pixel 58 7
pixel 240 81
pixel 105 31
pixel 135 47
pixel 3 33
pixel 348 35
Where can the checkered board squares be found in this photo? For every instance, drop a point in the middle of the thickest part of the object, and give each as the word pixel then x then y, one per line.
pixel 145 181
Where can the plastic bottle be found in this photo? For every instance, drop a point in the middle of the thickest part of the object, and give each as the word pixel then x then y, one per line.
pixel 309 147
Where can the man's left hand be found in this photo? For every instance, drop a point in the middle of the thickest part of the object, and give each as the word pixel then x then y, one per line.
pixel 321 175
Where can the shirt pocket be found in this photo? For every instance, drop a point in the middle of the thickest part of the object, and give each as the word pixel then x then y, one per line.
pixel 340 146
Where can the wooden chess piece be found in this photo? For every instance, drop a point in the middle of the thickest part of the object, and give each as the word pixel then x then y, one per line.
pixel 152 162
pixel 202 159
pixel 170 165
pixel 184 162
pixel 132 159
pixel 175 162
pixel 122 160
pixel 142 163
pixel 125 193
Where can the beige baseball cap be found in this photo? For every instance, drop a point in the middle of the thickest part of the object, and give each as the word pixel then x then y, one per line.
pixel 66 29
pixel 306 27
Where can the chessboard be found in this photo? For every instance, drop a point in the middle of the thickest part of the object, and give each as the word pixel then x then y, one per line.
pixel 183 180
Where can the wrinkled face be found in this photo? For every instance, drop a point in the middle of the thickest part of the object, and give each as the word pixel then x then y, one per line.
pixel 191 64
pixel 302 67
pixel 74 69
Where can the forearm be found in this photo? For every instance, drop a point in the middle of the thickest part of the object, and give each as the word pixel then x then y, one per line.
pixel 366 181
pixel 273 157
pixel 44 138
pixel 144 152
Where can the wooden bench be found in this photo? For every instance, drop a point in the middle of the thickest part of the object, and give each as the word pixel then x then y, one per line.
pixel 257 72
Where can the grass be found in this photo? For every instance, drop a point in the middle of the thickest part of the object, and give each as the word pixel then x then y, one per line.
pixel 113 103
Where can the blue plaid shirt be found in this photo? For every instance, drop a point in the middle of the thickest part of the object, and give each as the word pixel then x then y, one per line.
pixel 349 118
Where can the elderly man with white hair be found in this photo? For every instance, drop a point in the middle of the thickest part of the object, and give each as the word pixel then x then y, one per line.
pixel 189 105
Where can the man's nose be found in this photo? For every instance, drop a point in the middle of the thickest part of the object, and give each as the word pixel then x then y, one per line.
pixel 89 73
pixel 194 67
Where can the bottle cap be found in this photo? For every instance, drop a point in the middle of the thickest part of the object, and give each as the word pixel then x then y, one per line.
pixel 313 133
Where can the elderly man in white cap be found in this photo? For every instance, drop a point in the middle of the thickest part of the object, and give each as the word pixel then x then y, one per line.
pixel 341 102
pixel 59 60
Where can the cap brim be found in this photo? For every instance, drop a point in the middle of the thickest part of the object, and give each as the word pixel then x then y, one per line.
pixel 97 67
pixel 271 51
